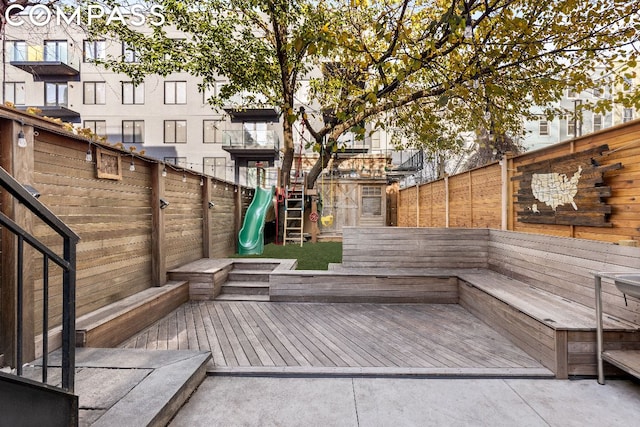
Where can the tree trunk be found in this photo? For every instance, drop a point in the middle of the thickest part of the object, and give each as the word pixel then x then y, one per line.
pixel 319 166
pixel 289 150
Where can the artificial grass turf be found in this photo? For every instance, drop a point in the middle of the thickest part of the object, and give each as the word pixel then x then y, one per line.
pixel 311 256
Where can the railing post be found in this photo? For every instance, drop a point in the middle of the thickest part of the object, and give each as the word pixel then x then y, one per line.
pixel 69 317
pixel 158 259
pixel 446 201
pixel 206 217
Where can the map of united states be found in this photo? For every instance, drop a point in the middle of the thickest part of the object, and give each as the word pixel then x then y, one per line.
pixel 555 189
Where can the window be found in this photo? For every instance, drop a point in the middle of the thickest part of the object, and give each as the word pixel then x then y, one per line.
pixel 130 53
pixel 98 127
pixel 55 94
pixel 208 93
pixel 178 161
pixel 627 115
pixel 627 84
pixel 571 93
pixel 215 166
pixel 94 49
pixel 95 93
pixel 371 201
pixel 543 126
pixel 571 127
pixel 14 92
pixel 132 94
pixel 175 131
pixel 209 131
pixel 55 50
pixel 597 122
pixel 256 133
pixel 175 92
pixel 598 92
pixel 133 131
pixel 16 50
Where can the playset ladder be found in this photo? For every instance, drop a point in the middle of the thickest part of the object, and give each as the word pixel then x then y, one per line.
pixel 294 214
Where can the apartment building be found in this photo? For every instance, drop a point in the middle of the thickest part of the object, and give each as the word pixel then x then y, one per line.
pixel 543 132
pixel 52 68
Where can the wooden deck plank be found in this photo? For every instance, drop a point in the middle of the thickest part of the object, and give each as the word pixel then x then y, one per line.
pixel 274 331
pixel 297 333
pixel 183 341
pixel 343 347
pixel 172 330
pixel 248 331
pixel 228 357
pixel 201 335
pixel 471 337
pixel 163 334
pixel 276 350
pixel 214 340
pixel 305 326
pixel 192 336
pixel 365 338
pixel 234 339
pixel 388 345
pixel 365 346
pixel 303 356
pixel 421 339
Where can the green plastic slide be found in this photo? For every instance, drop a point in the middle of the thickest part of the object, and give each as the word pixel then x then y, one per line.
pixel 251 236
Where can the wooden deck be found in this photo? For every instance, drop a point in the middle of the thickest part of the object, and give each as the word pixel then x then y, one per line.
pixel 339 339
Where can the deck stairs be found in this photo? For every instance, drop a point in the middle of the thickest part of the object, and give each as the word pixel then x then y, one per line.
pixel 246 282
pixel 294 213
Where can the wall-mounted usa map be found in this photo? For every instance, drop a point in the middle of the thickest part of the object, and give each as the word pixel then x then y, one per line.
pixel 567 190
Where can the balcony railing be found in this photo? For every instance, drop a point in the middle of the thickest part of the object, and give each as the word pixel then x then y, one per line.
pixel 251 139
pixel 47 63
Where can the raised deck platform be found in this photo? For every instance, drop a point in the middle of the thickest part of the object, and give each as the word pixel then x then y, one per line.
pixel 253 338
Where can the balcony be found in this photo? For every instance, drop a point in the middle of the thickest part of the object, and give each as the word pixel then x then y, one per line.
pixel 255 145
pixel 57 112
pixel 47 64
pixel 251 107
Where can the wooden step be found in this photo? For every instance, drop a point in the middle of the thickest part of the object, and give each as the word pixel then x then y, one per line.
pixel 245 288
pixel 240 297
pixel 248 276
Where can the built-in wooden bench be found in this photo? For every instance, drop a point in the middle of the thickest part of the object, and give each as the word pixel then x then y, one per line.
pixel 536 290
pixel 363 286
pixel 118 321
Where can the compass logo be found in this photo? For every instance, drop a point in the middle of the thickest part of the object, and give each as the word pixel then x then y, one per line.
pixel 41 15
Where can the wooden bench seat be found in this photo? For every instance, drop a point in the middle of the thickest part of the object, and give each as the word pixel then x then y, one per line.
pixel 536 290
pixel 116 322
pixel 364 285
pixel 552 310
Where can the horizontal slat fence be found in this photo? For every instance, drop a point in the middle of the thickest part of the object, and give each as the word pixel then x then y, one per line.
pixel 119 221
pixel 473 199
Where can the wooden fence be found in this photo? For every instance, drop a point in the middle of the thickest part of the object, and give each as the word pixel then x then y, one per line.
pixel 128 242
pixel 487 197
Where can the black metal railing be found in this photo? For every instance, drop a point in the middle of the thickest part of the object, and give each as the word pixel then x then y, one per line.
pixel 67 262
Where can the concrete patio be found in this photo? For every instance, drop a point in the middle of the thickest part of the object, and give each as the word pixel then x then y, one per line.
pixel 284 402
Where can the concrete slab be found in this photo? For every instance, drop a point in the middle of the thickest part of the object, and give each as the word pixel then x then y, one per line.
pixel 157 398
pixel 584 402
pixel 101 388
pixel 248 401
pixel 225 401
pixel 130 387
pixel 384 402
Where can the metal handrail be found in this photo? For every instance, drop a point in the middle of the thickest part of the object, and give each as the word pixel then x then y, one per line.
pixel 68 264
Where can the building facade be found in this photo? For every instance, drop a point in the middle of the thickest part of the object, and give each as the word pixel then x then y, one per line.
pixel 543 132
pixel 53 69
